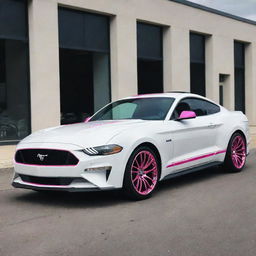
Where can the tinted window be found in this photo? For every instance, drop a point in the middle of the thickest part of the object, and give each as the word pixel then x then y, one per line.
pixel 13 19
pixel 14 71
pixel 200 107
pixel 239 52
pixel 150 58
pixel 83 31
pixel 138 108
pixel 197 63
pixel 211 108
pixel 149 41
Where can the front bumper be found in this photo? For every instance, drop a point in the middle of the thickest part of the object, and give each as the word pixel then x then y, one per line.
pixel 88 175
pixel 73 187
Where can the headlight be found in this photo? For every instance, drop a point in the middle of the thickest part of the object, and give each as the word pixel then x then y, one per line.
pixel 103 150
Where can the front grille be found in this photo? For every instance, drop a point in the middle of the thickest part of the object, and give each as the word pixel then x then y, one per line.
pixel 46 180
pixel 45 157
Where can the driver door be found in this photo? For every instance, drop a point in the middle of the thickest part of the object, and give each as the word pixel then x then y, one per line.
pixel 193 139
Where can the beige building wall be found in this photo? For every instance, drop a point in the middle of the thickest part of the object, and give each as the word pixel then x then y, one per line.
pixel 177 19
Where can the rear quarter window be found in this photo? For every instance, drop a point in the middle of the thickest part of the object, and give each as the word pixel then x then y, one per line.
pixel 211 108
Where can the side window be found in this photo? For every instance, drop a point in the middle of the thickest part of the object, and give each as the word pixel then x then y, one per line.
pixel 211 108
pixel 199 106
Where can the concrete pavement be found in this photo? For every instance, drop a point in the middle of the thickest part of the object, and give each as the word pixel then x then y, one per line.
pixel 210 213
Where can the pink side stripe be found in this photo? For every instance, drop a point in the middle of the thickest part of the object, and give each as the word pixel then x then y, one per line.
pixel 196 158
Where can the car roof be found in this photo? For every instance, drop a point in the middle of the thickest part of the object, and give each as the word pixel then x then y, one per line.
pixel 176 95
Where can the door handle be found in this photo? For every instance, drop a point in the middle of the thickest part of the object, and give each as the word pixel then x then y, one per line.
pixel 212 125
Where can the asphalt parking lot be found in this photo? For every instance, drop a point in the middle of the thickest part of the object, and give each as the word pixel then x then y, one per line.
pixel 206 213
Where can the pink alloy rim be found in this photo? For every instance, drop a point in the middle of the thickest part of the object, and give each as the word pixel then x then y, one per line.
pixel 238 152
pixel 144 172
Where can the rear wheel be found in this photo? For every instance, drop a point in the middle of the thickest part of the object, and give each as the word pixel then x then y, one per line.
pixel 141 174
pixel 236 153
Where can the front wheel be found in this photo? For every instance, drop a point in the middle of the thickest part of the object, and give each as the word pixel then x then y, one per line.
pixel 236 153
pixel 141 174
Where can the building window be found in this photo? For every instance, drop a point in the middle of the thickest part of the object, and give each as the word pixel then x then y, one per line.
pixel 14 72
pixel 84 64
pixel 150 58
pixel 239 56
pixel 197 64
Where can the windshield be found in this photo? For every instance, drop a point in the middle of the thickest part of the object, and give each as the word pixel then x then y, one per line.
pixel 138 108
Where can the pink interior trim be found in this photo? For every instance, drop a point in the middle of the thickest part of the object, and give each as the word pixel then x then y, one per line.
pixel 187 114
pixel 196 158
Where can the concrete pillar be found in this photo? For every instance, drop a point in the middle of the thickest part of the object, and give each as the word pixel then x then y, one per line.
pixel 211 74
pixel 219 56
pixel 101 89
pixel 250 82
pixel 44 63
pixel 123 56
pixel 167 59
pixel 176 59
pixel 226 60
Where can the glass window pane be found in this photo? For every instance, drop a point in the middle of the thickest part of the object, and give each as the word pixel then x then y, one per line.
pixel 14 90
pixel 197 64
pixel 84 64
pixel 83 31
pixel 13 19
pixel 197 78
pixel 197 48
pixel 149 41
pixel 150 58
pixel 239 55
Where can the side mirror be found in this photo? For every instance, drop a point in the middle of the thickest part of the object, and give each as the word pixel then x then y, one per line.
pixel 186 115
pixel 87 119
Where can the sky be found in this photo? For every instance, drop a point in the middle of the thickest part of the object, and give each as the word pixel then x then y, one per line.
pixel 243 8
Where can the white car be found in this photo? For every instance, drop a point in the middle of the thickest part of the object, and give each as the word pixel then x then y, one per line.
pixel 133 144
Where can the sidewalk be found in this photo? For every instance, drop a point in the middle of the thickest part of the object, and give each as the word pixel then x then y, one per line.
pixel 7 152
pixel 253 136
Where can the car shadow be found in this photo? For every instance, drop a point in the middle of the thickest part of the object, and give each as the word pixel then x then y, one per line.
pixel 191 178
pixel 72 200
pixel 116 197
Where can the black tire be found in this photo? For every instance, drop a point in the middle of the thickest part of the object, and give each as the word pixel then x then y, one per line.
pixel 129 186
pixel 230 163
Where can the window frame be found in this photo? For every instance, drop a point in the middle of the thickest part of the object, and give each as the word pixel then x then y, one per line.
pixel 197 98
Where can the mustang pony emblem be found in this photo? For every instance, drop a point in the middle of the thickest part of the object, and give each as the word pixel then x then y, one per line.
pixel 41 157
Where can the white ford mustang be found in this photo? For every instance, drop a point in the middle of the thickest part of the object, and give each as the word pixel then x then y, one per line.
pixel 133 144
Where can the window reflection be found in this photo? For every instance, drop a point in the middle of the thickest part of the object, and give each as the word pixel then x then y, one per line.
pixel 14 97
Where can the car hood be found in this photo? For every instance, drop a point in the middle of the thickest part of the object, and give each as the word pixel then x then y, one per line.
pixel 89 134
